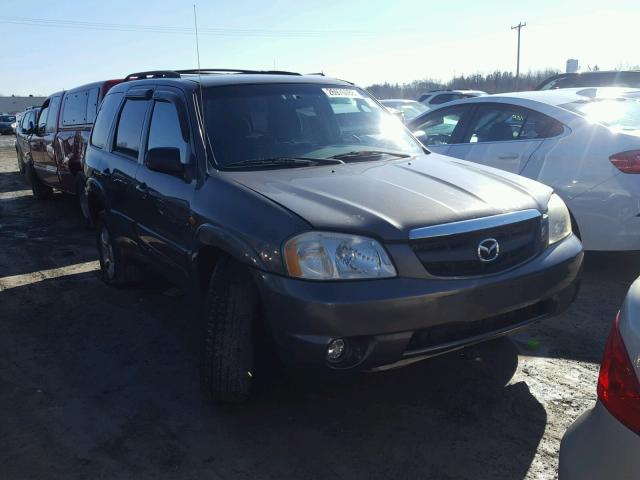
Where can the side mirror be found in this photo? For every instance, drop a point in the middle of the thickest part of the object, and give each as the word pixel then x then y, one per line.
pixel 29 128
pixel 420 135
pixel 165 160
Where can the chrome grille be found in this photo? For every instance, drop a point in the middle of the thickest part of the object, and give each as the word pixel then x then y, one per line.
pixel 451 250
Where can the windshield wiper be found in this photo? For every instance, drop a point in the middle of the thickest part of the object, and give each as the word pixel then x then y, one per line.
pixel 364 154
pixel 282 162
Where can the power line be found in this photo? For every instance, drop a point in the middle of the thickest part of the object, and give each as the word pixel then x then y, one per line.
pixel 168 29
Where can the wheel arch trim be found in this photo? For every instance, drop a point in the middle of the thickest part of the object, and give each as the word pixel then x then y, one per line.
pixel 215 236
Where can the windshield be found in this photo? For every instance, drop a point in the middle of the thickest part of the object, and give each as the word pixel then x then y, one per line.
pixel 252 123
pixel 410 109
pixel 7 118
pixel 618 114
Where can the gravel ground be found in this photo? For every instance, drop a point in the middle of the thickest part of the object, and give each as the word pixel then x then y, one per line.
pixel 97 382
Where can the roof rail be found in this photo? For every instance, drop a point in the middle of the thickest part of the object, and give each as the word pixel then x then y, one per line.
pixel 196 71
pixel 235 70
pixel 152 74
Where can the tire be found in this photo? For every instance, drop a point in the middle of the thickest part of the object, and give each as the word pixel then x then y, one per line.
pixel 115 269
pixel 230 311
pixel 39 189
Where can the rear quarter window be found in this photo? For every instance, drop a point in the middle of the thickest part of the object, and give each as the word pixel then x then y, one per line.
pixel 75 109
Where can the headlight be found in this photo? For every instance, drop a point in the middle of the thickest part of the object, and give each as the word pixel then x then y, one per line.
pixel 336 256
pixel 558 218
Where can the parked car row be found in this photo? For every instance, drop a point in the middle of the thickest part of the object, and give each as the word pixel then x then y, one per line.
pixel 51 140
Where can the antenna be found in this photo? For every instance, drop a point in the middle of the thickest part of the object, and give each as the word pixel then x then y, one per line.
pixel 195 22
pixel 205 137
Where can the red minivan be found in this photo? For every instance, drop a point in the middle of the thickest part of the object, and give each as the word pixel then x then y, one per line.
pixel 60 138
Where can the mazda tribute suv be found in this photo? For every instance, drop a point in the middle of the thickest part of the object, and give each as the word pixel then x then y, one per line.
pixel 299 207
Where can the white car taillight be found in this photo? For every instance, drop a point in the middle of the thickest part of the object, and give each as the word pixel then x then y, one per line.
pixel 618 385
pixel 626 162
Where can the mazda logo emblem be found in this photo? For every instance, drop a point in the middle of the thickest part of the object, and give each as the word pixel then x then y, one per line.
pixel 488 250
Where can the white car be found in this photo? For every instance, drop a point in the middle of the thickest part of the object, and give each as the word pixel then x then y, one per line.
pixel 434 98
pixel 603 444
pixel 584 144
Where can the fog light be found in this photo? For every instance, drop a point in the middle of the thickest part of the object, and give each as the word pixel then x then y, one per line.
pixel 336 349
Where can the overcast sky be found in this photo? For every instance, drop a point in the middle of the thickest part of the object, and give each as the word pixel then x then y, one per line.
pixel 48 46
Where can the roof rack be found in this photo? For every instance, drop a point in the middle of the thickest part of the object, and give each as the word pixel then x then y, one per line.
pixel 235 70
pixel 201 71
pixel 152 74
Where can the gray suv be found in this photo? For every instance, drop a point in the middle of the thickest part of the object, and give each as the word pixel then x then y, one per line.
pixel 303 212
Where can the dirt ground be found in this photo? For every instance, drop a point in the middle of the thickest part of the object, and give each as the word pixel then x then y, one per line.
pixel 97 382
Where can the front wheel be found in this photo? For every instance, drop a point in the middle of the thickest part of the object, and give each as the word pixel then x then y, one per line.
pixel 230 313
pixel 115 268
pixel 39 189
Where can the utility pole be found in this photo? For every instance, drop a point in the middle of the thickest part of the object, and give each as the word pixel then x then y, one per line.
pixel 519 27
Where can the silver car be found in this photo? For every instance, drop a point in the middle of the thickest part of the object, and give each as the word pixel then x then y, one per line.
pixel 604 443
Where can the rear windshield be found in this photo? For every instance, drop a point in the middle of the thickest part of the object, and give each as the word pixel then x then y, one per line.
pixel 256 122
pixel 594 79
pixel 619 114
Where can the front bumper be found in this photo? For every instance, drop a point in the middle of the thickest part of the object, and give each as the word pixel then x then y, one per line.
pixel 393 320
pixel 598 447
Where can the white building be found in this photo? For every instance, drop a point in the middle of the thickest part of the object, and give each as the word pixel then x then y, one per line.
pixel 15 104
pixel 572 65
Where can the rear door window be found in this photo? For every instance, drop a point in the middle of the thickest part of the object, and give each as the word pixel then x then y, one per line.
pixel 165 131
pixel 129 130
pixel 104 120
pixel 52 117
pixel 503 123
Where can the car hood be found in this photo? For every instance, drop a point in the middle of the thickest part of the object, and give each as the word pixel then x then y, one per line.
pixel 386 199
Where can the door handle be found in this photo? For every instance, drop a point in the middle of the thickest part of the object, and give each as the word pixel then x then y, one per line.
pixel 508 156
pixel 142 189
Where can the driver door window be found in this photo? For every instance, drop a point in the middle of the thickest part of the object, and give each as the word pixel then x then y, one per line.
pixel 439 128
pixel 42 121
